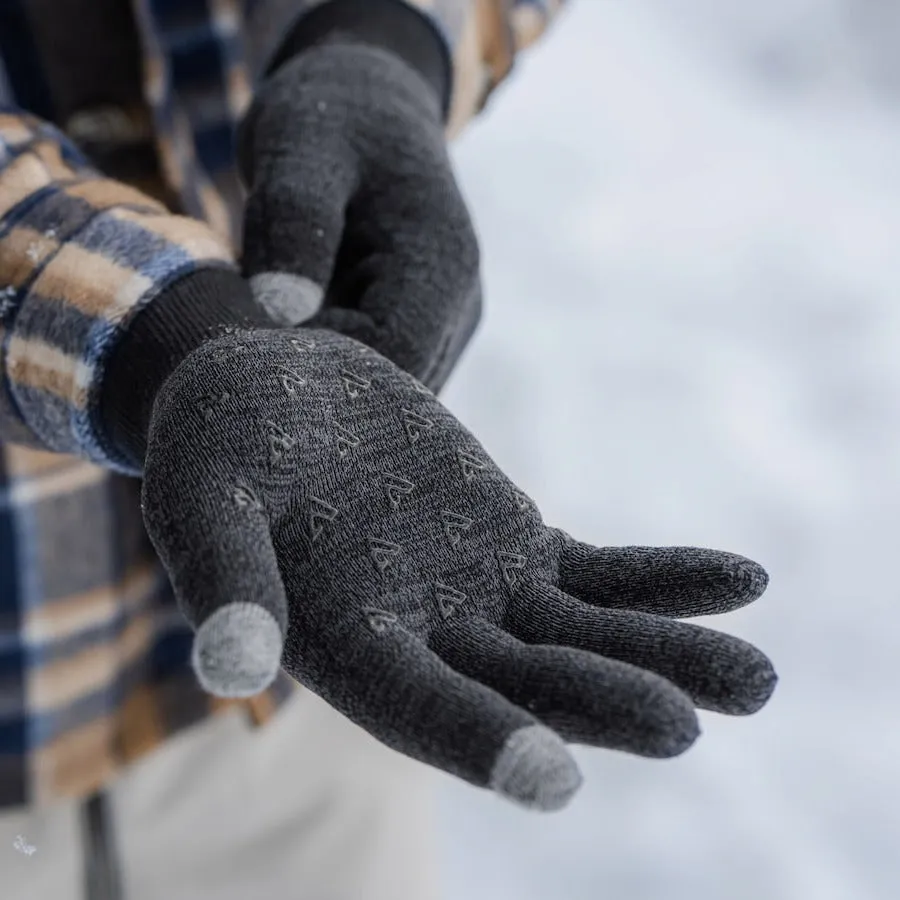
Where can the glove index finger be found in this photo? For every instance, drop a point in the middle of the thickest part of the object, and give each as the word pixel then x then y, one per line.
pixel 396 688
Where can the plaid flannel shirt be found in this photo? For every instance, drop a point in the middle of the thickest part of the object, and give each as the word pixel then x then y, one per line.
pixel 94 654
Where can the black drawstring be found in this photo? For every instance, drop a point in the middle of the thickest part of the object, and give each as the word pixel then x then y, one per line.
pixel 102 878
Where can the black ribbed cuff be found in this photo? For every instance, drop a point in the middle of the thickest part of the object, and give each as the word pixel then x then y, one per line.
pixel 186 315
pixel 389 24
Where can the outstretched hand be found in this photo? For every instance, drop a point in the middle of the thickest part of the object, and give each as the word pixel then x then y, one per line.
pixel 318 509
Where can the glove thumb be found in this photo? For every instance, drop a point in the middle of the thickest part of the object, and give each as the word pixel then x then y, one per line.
pixel 217 550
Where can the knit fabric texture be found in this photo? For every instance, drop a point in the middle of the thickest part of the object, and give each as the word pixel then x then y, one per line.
pixel 318 509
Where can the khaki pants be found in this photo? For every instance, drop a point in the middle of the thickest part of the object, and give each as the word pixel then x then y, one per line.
pixel 309 807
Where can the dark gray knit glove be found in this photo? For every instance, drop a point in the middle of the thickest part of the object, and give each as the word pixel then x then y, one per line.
pixel 318 509
pixel 353 207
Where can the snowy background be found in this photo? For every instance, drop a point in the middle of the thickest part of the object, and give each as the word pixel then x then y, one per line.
pixel 690 217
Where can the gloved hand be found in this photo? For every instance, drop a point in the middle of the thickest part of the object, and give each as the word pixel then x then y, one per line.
pixel 353 206
pixel 318 509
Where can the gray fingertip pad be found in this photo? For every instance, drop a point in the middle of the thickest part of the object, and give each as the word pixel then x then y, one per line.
pixel 237 650
pixel 289 299
pixel 535 770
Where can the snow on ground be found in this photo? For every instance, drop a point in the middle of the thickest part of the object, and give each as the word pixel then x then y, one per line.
pixel 690 218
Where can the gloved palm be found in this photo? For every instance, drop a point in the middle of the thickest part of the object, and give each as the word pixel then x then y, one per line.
pixel 317 508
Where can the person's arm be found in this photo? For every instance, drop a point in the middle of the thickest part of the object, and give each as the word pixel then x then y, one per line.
pixel 81 257
pixel 486 45
pixel 482 39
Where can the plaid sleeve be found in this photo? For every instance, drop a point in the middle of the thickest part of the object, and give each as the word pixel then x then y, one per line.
pixel 80 256
pixel 484 38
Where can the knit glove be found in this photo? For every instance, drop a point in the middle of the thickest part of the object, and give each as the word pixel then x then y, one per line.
pixel 318 509
pixel 354 220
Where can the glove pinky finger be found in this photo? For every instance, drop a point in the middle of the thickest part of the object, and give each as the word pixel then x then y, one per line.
pixel 667 581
